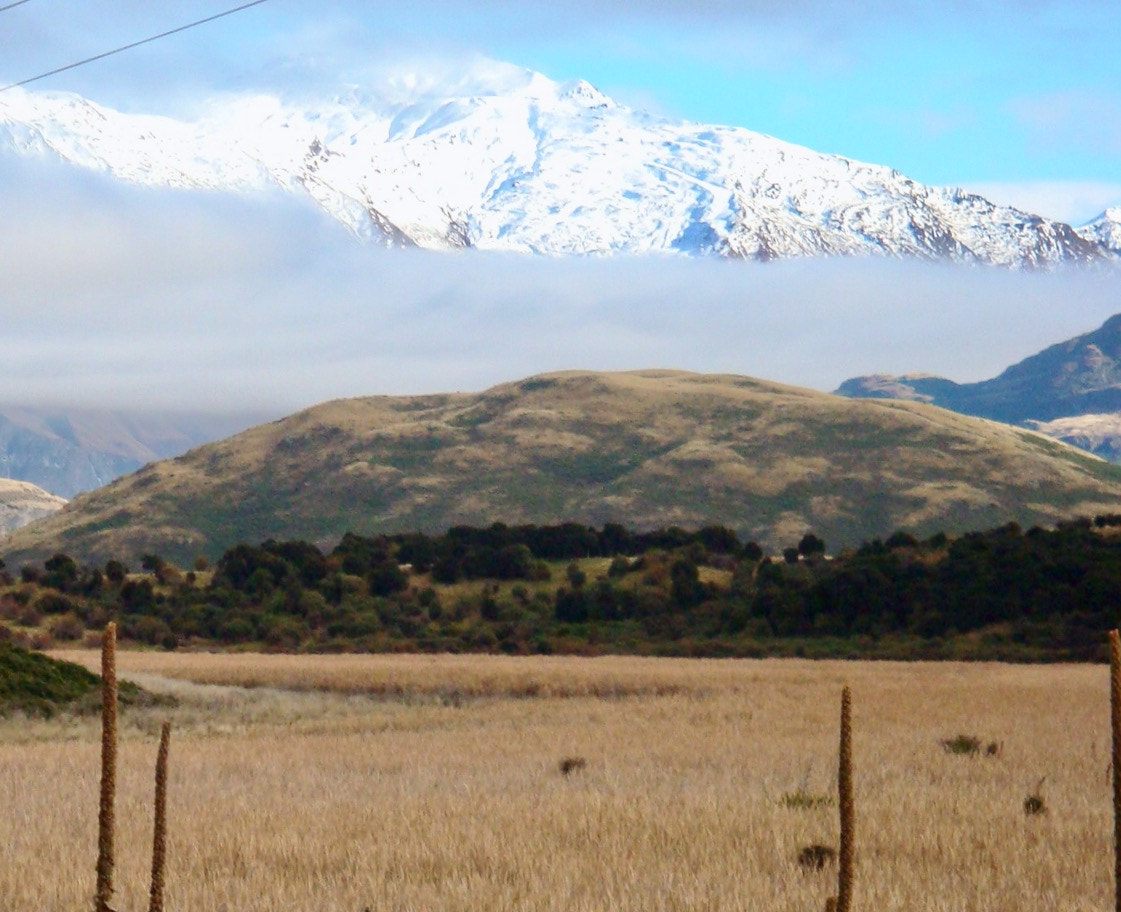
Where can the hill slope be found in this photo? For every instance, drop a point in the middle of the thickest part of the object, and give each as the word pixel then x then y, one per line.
pixel 22 503
pixel 647 449
pixel 506 159
pixel 1071 390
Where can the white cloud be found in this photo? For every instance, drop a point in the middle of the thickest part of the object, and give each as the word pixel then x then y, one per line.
pixel 199 303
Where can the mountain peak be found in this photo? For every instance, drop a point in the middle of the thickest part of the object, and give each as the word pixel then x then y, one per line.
pixel 586 94
pixel 499 157
pixel 1105 230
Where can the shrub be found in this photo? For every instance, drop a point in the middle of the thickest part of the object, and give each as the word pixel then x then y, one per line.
pixel 575 576
pixel 116 572
pixel 1034 804
pixel 30 616
pixel 966 745
pixel 386 578
pixel 802 799
pixel 55 603
pixel 67 628
pixel 815 857
pixel 9 608
pixel 620 566
pixel 284 632
pixel 236 630
pixel 147 629
pixel 570 765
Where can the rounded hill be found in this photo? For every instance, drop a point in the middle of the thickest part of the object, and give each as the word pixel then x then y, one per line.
pixel 646 449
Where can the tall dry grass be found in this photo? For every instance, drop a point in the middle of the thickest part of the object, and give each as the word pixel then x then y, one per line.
pixel 159 823
pixel 1115 764
pixel 846 802
pixel 454 805
pixel 103 895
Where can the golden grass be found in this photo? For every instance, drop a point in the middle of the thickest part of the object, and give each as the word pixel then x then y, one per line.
pixel 340 798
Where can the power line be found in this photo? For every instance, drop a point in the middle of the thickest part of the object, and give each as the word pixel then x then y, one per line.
pixel 127 47
pixel 13 5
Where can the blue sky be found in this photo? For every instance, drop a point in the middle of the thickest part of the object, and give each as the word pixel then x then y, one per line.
pixel 1018 98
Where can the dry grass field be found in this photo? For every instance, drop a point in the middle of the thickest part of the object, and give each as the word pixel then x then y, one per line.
pixel 417 784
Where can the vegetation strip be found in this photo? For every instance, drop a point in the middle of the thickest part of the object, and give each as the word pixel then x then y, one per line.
pixel 1006 593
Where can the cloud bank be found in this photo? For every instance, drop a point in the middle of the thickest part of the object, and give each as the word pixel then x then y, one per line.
pixel 125 298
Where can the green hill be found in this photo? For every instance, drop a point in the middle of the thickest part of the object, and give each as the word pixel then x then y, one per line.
pixel 646 449
pixel 35 683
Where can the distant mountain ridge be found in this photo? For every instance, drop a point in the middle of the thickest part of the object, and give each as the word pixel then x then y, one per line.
pixel 1071 390
pixel 68 451
pixel 647 449
pixel 506 159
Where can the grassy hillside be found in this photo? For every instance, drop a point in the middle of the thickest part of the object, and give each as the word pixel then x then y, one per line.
pixel 33 682
pixel 646 449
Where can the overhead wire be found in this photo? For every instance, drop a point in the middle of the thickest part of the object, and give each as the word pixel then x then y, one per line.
pixel 127 47
pixel 9 6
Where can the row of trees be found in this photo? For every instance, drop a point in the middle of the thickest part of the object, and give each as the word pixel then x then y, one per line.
pixel 1041 593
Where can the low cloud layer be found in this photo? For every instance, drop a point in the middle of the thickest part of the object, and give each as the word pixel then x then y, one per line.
pixel 130 298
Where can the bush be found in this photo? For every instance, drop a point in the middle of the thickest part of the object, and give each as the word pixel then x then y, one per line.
pixel 620 566
pixel 67 628
pixel 55 603
pixel 236 630
pixel 29 616
pixel 966 745
pixel 386 578
pixel 151 630
pixel 284 632
pixel 116 572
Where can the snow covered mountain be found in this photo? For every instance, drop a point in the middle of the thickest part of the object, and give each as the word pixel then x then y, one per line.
pixel 506 159
pixel 1105 230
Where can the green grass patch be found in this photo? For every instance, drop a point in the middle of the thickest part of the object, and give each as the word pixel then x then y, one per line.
pixel 36 684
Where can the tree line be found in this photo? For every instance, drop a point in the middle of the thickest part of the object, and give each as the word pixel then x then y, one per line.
pixel 1004 593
